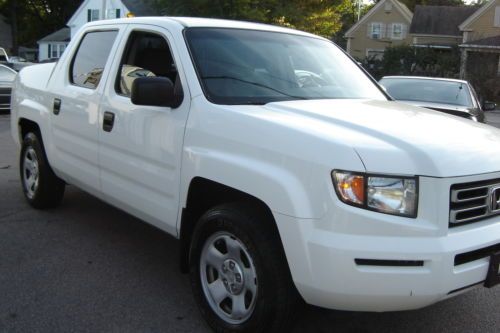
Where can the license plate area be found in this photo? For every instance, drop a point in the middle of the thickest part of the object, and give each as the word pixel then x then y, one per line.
pixel 493 277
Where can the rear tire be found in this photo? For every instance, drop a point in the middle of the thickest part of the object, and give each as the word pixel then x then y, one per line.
pixel 42 188
pixel 239 273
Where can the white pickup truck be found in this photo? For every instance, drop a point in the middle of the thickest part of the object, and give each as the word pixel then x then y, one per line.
pixel 285 171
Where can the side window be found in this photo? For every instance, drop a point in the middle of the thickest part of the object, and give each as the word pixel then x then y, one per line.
pixel 88 63
pixel 146 55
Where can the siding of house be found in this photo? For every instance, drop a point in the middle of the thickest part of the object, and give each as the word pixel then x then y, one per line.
pixel 360 42
pixel 43 50
pixel 483 26
pixel 435 40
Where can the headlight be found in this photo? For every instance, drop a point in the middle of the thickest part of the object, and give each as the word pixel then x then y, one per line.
pixel 385 194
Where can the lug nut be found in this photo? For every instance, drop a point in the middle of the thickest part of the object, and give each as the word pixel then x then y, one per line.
pixel 238 277
pixel 231 265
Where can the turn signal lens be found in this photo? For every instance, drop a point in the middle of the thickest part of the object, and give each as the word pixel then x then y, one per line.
pixel 350 187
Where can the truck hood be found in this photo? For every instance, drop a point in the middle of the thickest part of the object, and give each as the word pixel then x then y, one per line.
pixel 395 138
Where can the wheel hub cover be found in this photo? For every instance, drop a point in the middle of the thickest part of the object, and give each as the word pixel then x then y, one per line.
pixel 232 276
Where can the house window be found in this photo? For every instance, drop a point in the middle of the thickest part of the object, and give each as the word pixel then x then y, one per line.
pixel 397 31
pixel 56 50
pixel 376 31
pixel 374 54
pixel 497 17
pixel 92 15
pixel 113 14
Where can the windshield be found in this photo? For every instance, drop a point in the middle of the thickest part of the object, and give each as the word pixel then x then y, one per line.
pixel 257 67
pixel 434 91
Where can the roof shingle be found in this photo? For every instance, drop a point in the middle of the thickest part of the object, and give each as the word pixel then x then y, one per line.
pixel 62 35
pixel 439 20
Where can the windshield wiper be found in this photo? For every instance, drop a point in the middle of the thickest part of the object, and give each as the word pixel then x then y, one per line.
pixel 223 77
pixel 459 90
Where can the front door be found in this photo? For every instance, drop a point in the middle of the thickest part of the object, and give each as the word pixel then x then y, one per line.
pixel 141 146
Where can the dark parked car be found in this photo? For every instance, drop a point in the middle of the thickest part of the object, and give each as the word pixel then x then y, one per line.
pixel 7 76
pixel 456 97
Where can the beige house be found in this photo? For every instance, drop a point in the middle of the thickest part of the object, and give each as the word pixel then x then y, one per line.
pixel 386 24
pixel 484 23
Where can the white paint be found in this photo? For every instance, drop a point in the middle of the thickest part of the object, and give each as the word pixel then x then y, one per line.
pixel 283 154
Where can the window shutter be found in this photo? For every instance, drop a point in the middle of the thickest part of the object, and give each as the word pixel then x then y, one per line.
pixel 118 14
pixel 89 15
pixel 50 51
pixel 369 30
pixel 404 28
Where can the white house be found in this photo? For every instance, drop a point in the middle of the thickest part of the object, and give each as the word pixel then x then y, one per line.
pixel 54 44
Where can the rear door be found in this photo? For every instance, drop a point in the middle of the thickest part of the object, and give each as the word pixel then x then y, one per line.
pixel 140 146
pixel 76 94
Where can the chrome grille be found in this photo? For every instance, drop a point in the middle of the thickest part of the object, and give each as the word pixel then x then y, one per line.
pixel 472 202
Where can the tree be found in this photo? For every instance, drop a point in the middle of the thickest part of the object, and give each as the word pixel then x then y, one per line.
pixel 34 19
pixel 322 17
pixel 412 3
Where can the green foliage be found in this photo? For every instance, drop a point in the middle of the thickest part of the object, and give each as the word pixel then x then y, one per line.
pixel 412 3
pixel 32 20
pixel 409 60
pixel 321 17
pixel 482 68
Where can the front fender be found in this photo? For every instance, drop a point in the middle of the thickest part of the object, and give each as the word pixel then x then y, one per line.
pixel 283 191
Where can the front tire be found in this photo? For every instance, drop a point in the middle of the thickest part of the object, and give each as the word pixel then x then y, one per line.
pixel 239 274
pixel 42 188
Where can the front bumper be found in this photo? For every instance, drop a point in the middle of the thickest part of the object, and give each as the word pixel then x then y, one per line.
pixel 415 266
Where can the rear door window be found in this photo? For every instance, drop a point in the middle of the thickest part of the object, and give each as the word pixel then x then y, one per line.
pixel 91 57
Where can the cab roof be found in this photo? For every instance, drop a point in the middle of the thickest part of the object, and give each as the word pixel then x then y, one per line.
pixel 189 22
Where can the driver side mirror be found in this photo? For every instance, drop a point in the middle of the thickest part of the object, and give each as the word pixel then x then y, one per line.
pixel 489 106
pixel 154 91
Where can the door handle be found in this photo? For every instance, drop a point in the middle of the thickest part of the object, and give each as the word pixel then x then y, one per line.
pixel 57 106
pixel 108 121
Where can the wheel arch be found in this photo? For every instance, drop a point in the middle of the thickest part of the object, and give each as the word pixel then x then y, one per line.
pixel 26 126
pixel 204 194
